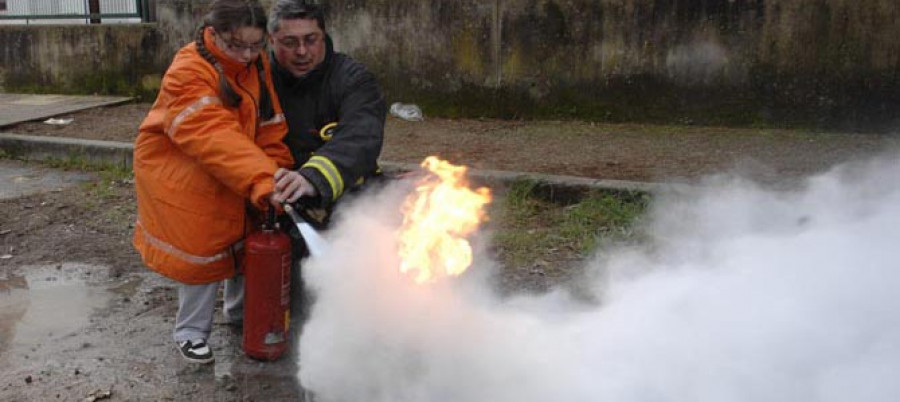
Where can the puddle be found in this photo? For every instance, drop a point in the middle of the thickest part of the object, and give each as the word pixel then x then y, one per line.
pixel 129 287
pixel 39 304
pixel 18 179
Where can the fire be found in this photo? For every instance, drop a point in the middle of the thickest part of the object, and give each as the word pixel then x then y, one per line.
pixel 438 216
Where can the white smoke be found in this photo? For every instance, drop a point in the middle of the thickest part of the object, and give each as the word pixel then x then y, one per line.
pixel 741 294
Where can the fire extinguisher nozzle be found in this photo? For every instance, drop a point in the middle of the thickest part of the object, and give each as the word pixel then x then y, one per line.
pixel 314 242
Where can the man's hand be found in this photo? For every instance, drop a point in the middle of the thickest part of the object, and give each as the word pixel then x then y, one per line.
pixel 291 185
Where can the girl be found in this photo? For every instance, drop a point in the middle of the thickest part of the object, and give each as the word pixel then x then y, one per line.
pixel 211 142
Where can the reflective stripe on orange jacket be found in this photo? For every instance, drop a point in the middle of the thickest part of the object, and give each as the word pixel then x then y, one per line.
pixel 197 161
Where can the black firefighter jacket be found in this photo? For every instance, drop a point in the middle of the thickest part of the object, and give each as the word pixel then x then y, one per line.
pixel 335 115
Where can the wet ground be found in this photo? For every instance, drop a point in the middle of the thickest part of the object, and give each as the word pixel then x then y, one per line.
pixel 18 179
pixel 100 329
pixel 70 332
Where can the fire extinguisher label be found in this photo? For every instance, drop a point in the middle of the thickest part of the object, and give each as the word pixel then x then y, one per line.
pixel 285 279
pixel 273 338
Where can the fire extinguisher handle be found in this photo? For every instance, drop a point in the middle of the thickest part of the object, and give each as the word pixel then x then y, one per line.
pixel 270 218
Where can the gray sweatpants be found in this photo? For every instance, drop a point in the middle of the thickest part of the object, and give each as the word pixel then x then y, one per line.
pixel 196 304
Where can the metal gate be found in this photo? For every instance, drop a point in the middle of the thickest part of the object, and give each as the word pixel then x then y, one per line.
pixel 73 11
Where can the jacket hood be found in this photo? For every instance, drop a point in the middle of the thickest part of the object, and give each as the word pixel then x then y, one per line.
pixel 228 65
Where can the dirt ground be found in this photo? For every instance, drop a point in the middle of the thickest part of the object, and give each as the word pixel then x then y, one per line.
pixel 607 151
pixel 71 247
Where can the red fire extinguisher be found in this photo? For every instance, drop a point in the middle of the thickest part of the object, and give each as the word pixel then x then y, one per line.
pixel 267 289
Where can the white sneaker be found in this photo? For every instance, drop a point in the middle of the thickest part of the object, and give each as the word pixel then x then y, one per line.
pixel 195 351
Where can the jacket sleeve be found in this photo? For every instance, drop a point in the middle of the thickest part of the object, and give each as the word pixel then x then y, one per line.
pixel 356 143
pixel 271 132
pixel 202 127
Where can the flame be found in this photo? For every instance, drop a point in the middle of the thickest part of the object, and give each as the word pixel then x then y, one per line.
pixel 438 216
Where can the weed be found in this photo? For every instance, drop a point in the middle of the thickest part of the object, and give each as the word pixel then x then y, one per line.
pixel 532 227
pixel 100 191
pixel 107 171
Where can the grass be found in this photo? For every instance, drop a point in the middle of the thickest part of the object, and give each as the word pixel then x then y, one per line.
pixel 97 191
pixel 100 191
pixel 107 171
pixel 531 221
pixel 105 195
pixel 534 223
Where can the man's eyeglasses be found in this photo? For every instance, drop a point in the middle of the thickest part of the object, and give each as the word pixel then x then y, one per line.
pixel 293 43
pixel 241 47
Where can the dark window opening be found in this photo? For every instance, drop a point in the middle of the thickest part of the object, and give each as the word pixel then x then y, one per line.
pixel 2 5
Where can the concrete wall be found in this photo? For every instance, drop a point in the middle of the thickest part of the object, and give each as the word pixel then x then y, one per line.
pixel 809 62
pixel 78 58
pixel 124 59
pixel 832 63
pixel 550 43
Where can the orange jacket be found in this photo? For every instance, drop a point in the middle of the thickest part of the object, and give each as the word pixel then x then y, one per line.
pixel 196 162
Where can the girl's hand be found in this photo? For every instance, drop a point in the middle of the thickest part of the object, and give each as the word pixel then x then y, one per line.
pixel 273 203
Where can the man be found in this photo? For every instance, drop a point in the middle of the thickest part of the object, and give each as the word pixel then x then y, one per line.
pixel 333 106
pixel 335 114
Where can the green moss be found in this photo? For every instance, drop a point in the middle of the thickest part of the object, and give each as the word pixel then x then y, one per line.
pixel 151 82
pixel 103 82
pixel 466 54
pixel 110 82
pixel 512 65
pixel 771 101
pixel 73 59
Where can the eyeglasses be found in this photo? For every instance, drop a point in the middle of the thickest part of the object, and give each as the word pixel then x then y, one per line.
pixel 293 43
pixel 241 47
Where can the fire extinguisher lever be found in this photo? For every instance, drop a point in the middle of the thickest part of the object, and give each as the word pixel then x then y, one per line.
pixel 270 219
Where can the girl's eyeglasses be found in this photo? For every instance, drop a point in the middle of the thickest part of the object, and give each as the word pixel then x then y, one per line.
pixel 241 47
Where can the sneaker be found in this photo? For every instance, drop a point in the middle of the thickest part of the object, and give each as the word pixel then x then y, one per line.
pixel 195 351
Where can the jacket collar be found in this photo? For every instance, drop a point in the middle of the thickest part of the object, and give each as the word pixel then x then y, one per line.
pixel 312 76
pixel 228 65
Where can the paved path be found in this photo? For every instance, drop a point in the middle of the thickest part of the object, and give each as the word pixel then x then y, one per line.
pixel 17 108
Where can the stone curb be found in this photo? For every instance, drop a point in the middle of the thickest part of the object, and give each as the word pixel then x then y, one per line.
pixel 58 148
pixel 119 154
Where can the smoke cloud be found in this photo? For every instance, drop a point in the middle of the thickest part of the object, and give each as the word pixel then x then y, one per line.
pixel 741 293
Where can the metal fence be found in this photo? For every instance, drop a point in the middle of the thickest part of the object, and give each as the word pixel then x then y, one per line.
pixel 73 11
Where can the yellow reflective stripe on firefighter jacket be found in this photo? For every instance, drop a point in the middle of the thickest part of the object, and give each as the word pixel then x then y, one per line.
pixel 335 114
